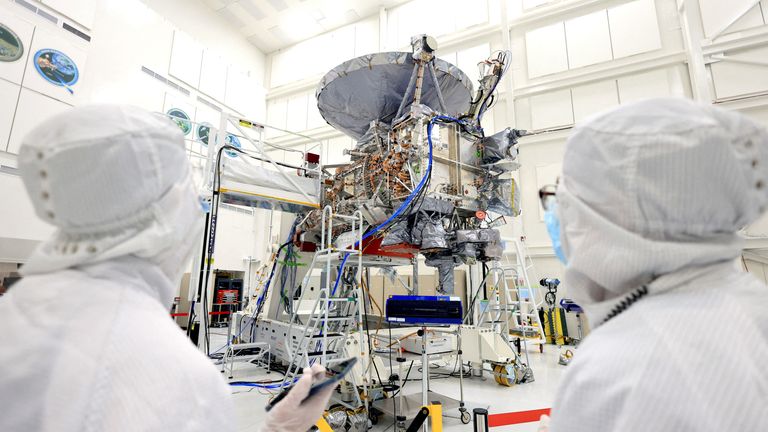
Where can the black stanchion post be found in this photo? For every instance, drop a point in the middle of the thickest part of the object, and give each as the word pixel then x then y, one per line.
pixel 480 419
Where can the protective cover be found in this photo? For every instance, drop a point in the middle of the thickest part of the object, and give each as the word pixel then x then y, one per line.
pixel 246 171
pixel 445 265
pixel 499 146
pixel 371 87
pixel 478 236
pixel 430 234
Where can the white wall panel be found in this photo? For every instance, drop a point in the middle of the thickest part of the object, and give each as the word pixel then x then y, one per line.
pixel 297 113
pixel 186 59
pixel 242 92
pixel 213 75
pixel 717 14
pixel 588 39
pixel 467 60
pixel 545 50
pixel 340 48
pixel 314 119
pixel 334 150
pixel 367 36
pixel 279 69
pixel 735 79
pixel 634 28
pixel 277 111
pixel 449 57
pixel 393 22
pixel 530 4
pixel 9 96
pixel 239 230
pixel 593 98
pixel 21 222
pixel 14 71
pixel 652 84
pixel 552 109
pixel 751 19
pixel 82 11
pixel 34 108
pixel 472 16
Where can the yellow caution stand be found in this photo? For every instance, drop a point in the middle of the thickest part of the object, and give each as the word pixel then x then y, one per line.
pixel 434 413
pixel 323 426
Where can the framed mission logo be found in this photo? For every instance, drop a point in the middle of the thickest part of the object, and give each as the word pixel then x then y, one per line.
pixel 11 47
pixel 56 68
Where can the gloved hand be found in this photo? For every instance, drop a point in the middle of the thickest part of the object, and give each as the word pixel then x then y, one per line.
pixel 293 415
pixel 543 424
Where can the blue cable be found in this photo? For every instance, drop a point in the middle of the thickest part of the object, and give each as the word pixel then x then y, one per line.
pixel 408 200
pixel 264 386
pixel 264 291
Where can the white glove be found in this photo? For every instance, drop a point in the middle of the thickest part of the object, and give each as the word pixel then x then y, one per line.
pixel 293 415
pixel 543 424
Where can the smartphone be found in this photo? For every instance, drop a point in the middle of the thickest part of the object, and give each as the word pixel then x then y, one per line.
pixel 333 375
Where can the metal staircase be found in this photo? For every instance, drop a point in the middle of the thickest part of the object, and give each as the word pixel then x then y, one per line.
pixel 337 311
pixel 512 307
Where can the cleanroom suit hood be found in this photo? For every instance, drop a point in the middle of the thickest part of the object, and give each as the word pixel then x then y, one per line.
pixel 651 200
pixel 88 343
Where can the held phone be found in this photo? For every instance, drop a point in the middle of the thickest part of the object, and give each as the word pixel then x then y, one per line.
pixel 333 375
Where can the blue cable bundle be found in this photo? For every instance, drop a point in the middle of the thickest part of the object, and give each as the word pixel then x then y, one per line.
pixel 410 197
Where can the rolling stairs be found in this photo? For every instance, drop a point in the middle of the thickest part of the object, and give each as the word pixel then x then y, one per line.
pixel 512 308
pixel 321 336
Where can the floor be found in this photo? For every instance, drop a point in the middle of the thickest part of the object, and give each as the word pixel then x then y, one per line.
pixel 478 391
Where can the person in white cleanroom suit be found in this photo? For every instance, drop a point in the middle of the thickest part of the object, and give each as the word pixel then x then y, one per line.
pixel 650 202
pixel 87 340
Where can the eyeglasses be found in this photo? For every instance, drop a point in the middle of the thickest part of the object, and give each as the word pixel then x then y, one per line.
pixel 548 197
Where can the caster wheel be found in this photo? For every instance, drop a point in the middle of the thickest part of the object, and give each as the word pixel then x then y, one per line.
pixel 374 418
pixel 465 417
pixel 541 348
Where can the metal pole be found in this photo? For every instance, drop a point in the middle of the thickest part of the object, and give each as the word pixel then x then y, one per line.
pixel 440 99
pixel 411 84
pixel 424 374
pixel 693 33
pixel 415 281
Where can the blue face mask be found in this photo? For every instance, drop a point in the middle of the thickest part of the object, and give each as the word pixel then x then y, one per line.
pixel 553 229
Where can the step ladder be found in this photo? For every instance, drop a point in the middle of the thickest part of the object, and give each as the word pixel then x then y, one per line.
pixel 322 334
pixel 526 320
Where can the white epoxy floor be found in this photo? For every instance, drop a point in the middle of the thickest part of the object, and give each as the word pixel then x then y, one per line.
pixel 478 392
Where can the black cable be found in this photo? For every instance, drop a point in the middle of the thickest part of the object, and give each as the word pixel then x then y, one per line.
pixel 405 381
pixel 368 308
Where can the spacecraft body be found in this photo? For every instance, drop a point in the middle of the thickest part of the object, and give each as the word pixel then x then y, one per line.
pixel 423 172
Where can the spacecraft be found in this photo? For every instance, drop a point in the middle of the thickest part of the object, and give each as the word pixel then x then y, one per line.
pixel 425 175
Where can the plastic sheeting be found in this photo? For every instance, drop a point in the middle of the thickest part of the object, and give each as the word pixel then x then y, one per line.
pixel 434 205
pixel 244 171
pixel 426 232
pixel 445 266
pixel 371 87
pixel 430 234
pixel 500 146
pixel 500 196
pixel 397 234
pixel 478 236
pixel 486 241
